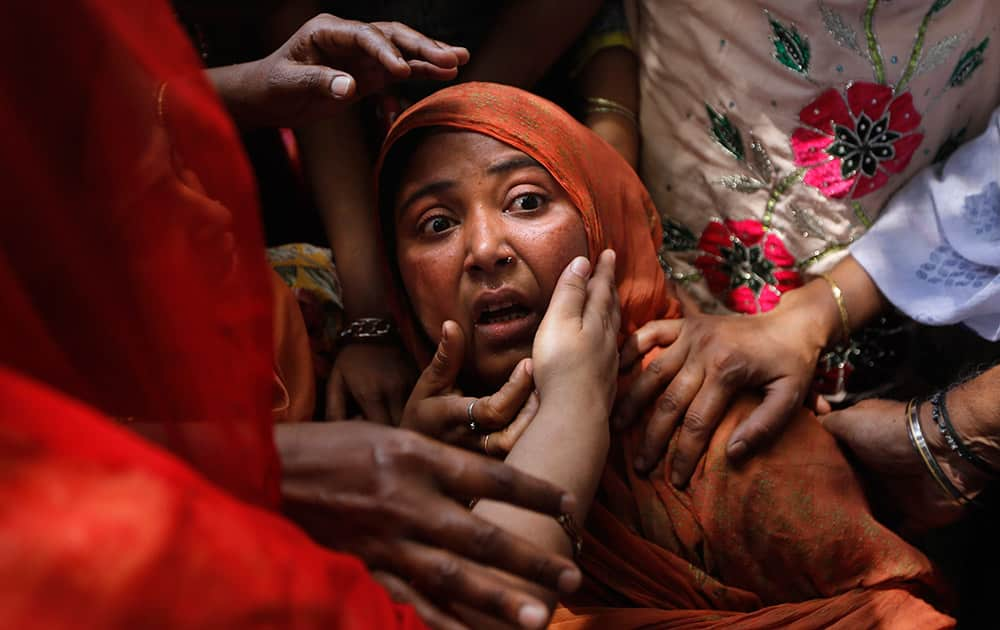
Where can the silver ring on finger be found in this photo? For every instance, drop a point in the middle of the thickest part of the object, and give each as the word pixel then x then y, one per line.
pixel 469 411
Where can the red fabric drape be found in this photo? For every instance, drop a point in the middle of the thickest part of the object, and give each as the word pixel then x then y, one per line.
pixel 785 541
pixel 134 286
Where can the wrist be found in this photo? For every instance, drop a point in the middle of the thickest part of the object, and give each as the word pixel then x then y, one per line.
pixel 965 477
pixel 812 312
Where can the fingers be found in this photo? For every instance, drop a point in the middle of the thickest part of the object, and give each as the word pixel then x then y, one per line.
pixel 570 294
pixel 700 421
pixel 440 375
pixel 602 299
pixel 466 474
pixel 335 36
pixel 336 397
pixel 670 406
pixel 659 332
pixel 495 412
pixel 443 575
pixel 417 46
pixel 374 407
pixel 403 593
pixel 781 399
pixel 648 386
pixel 501 442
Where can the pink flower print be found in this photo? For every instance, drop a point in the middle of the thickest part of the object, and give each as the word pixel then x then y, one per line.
pixel 745 266
pixel 852 146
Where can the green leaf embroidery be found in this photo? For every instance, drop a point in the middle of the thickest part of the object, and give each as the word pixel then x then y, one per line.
pixel 760 161
pixel 940 4
pixel 725 133
pixel 790 47
pixel 677 238
pixel 971 60
pixel 741 183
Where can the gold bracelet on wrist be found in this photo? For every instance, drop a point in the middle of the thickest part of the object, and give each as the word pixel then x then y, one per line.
pixel 838 297
pixel 918 441
pixel 598 105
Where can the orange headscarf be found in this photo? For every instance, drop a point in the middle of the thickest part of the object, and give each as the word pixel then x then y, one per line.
pixel 787 540
pixel 616 209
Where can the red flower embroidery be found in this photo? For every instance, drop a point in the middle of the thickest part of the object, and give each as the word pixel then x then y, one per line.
pixel 745 265
pixel 852 146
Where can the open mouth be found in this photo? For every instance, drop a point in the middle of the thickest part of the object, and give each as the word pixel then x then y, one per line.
pixel 503 312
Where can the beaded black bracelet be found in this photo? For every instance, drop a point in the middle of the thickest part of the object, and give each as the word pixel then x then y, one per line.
pixel 939 411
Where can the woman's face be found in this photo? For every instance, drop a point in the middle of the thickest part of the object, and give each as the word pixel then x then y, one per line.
pixel 482 234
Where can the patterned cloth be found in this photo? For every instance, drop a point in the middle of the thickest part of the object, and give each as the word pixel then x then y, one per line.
pixel 935 253
pixel 775 132
pixel 310 273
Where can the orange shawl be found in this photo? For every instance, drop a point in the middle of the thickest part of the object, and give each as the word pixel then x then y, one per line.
pixel 787 540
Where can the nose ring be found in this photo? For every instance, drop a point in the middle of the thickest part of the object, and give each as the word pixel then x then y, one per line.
pixel 508 260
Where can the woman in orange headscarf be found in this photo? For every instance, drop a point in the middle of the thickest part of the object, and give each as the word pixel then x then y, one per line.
pixel 475 185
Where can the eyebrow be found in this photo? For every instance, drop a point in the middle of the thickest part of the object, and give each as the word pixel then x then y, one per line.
pixel 430 189
pixel 507 166
pixel 513 164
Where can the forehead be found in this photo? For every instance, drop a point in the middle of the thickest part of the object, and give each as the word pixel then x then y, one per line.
pixel 455 155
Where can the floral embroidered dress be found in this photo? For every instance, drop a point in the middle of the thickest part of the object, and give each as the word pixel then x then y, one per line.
pixel 775 132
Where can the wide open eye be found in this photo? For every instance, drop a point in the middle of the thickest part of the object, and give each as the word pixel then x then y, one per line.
pixel 437 224
pixel 529 201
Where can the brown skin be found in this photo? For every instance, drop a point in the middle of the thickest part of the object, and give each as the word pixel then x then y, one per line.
pixel 478 221
pixel 397 500
pixel 327 64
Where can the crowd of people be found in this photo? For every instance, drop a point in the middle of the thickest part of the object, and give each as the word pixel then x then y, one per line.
pixel 531 314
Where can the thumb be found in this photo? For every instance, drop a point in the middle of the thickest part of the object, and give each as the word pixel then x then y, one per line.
pixel 570 294
pixel 838 423
pixel 443 370
pixel 328 84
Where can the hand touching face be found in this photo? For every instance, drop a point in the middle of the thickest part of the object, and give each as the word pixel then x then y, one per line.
pixel 483 232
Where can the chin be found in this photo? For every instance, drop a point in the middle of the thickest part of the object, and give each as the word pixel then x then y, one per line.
pixel 488 376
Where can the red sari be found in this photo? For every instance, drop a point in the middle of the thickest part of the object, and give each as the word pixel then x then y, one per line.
pixel 787 540
pixel 134 287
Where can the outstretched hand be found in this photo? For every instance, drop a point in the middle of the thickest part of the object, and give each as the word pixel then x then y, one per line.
pixel 328 63
pixel 706 361
pixel 377 377
pixel 437 407
pixel 396 500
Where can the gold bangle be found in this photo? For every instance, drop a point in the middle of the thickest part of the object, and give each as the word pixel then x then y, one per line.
pixel 917 440
pixel 598 105
pixel 838 297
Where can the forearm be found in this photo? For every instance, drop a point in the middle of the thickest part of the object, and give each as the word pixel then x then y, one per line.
pixel 612 74
pixel 235 86
pixel 338 164
pixel 527 39
pixel 974 408
pixel 567 445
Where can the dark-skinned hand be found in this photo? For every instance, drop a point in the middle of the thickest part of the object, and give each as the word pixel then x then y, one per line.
pixel 437 407
pixel 328 63
pixel 398 501
pixel 706 361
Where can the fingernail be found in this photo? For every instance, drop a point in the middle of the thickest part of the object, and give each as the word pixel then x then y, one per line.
pixel 569 580
pixel 580 266
pixel 528 367
pixel 640 463
pixel 567 504
pixel 444 333
pixel 737 450
pixel 340 86
pixel 532 616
